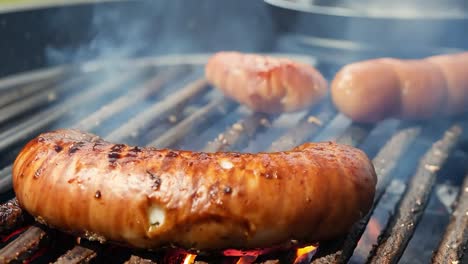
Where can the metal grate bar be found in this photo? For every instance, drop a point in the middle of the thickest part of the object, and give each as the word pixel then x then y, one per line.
pixel 50 92
pixel 401 228
pixel 19 93
pixel 309 126
pixel 27 104
pixel 384 162
pixel 238 133
pixel 77 255
pixel 32 77
pixel 24 246
pixel 354 134
pixel 5 179
pixel 454 244
pixel 134 126
pixel 170 137
pixel 32 126
pixel 149 88
pixel 11 216
pixel 77 82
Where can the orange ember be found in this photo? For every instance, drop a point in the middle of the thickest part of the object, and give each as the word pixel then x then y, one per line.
pixel 14 233
pixel 189 259
pixel 371 234
pixel 305 254
pixel 36 255
pixel 253 252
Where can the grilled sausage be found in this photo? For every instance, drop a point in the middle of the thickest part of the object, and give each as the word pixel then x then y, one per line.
pixel 148 198
pixel 370 91
pixel 266 84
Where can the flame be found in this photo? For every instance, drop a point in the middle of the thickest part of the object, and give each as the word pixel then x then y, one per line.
pixel 305 254
pixel 189 258
pixel 249 259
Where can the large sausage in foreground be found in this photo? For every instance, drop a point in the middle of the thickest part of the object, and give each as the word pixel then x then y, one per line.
pixel 266 84
pixel 148 198
pixel 373 90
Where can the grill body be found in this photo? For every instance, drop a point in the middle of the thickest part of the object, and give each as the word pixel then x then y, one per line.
pixel 420 202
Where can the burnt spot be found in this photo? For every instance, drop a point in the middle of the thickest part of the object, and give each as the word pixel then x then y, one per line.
pixel 227 190
pixel 156 184
pixel 97 195
pixel 117 147
pixel 135 149
pixel 236 155
pixel 155 179
pixel 171 154
pixel 113 157
pixel 75 147
pixel 58 148
pixel 131 154
pixel 96 145
pixel 38 173
pixel 190 164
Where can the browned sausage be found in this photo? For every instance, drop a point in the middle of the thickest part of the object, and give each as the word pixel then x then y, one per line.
pixel 146 197
pixel 266 84
pixel 373 90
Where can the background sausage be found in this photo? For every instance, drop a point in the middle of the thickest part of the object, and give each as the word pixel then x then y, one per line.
pixel 455 70
pixel 150 198
pixel 370 91
pixel 266 84
pixel 365 91
pixel 422 88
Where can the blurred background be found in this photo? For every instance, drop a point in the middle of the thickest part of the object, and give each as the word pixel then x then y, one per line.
pixel 36 34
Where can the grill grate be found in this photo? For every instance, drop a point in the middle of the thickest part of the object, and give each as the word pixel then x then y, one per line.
pixel 455 241
pixel 165 104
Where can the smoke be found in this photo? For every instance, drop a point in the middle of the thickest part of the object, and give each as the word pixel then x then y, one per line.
pixel 142 28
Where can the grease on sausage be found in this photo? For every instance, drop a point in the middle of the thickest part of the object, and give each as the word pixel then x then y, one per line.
pixel 148 198
pixel 266 84
pixel 370 91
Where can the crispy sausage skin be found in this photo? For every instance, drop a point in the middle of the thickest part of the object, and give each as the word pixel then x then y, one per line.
pixel 266 84
pixel 370 91
pixel 147 198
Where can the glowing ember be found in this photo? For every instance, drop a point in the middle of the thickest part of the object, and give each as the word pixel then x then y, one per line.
pixel 305 254
pixel 189 259
pixel 14 233
pixel 252 252
pixel 374 229
pixel 36 255
pixel 371 234
pixel 180 256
